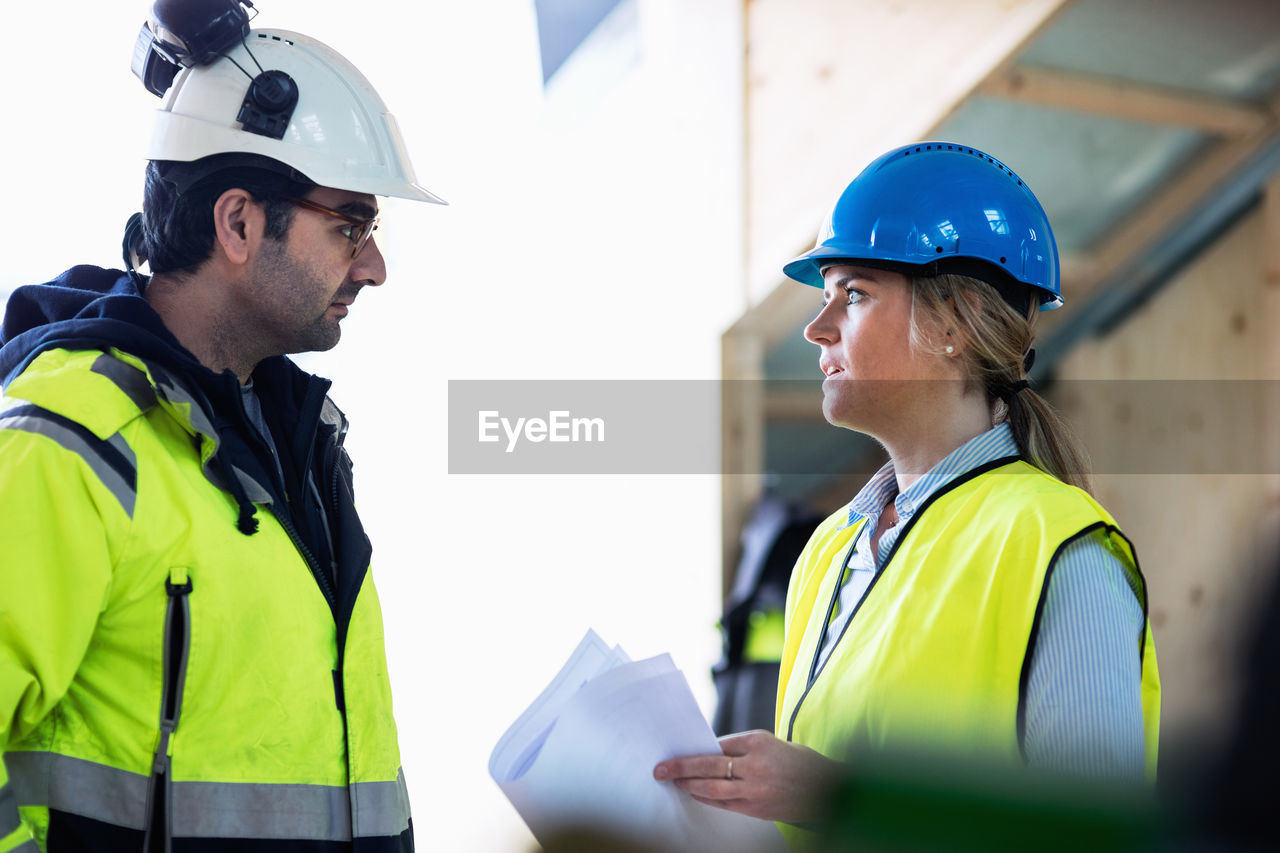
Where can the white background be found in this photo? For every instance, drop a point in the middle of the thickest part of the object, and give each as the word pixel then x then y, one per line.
pixel 594 232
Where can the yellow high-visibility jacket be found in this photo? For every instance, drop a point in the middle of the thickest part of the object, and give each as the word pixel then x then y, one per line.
pixel 937 655
pixel 160 671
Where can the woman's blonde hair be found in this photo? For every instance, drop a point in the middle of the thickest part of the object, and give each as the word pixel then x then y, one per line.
pixel 997 339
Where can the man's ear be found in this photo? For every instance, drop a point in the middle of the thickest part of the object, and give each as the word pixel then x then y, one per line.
pixel 239 224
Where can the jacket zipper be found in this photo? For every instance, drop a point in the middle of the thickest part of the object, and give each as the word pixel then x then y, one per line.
pixel 339 691
pixel 177 645
pixel 325 587
pixel 339 697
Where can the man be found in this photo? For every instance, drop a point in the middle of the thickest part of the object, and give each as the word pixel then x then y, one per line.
pixel 191 648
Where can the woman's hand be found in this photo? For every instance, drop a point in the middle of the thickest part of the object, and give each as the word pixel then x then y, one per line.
pixel 757 775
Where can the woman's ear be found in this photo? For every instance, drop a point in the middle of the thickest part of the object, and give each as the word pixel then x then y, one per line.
pixel 950 338
pixel 953 343
pixel 955 338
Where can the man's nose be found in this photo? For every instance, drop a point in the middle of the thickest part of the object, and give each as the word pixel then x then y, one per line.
pixel 369 267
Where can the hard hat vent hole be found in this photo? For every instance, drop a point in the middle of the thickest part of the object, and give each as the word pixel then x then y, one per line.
pixel 1002 260
pixel 938 250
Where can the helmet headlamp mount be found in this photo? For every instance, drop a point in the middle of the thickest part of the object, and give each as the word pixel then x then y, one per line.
pixel 269 103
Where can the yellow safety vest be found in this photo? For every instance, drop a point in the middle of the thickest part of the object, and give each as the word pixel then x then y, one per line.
pixel 150 653
pixel 938 653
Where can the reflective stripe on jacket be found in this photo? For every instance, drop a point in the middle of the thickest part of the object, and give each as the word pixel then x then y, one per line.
pixel 160 671
pixel 937 654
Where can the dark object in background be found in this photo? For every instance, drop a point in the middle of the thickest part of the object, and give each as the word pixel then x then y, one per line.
pixel 746 677
pixel 1237 799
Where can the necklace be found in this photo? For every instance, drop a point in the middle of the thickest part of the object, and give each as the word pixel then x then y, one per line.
pixel 890 512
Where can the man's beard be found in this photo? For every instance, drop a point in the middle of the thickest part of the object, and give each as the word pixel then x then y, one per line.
pixel 297 290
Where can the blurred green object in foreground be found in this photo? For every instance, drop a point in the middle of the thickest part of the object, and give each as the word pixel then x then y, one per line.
pixel 909 803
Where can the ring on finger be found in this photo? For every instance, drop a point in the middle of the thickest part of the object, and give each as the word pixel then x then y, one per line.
pixel 728 773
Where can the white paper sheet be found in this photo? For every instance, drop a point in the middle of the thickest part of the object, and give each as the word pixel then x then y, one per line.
pixel 583 753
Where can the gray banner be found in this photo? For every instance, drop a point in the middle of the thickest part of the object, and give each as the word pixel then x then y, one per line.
pixel 584 427
pixel 623 427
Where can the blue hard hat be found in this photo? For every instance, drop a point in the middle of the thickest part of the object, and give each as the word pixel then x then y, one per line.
pixel 941 207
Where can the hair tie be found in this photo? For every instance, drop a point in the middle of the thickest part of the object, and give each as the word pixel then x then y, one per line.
pixel 1008 395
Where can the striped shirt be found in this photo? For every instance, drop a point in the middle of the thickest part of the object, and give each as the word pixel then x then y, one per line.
pixel 1084 700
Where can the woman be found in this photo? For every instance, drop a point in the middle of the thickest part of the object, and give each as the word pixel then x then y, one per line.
pixel 973 597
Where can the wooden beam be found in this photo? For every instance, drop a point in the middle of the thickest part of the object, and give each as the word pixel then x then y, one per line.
pixel 1271 263
pixel 1008 54
pixel 795 165
pixel 1126 99
pixel 741 442
pixel 1171 204
pixel 782 312
pixel 1075 267
pixel 1270 428
pixel 1166 207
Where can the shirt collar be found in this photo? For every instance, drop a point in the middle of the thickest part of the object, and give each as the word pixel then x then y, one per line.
pixel 995 443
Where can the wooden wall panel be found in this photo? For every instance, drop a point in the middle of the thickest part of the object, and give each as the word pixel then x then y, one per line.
pixel 1204 530
pixel 833 83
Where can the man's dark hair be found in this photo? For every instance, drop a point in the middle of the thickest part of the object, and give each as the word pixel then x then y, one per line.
pixel 177 204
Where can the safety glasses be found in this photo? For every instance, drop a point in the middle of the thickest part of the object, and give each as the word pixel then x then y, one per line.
pixel 358 231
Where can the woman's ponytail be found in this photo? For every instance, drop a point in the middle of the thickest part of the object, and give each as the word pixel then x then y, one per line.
pixel 1045 440
pixel 998 357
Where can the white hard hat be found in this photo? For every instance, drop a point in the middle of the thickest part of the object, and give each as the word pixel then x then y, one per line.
pixel 339 134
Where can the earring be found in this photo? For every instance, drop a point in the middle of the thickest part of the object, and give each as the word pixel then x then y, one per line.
pixel 950 349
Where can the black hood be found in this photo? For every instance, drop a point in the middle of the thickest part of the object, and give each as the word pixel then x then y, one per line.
pixel 86 308
pixel 89 307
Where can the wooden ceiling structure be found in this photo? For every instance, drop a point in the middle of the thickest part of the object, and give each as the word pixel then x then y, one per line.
pixel 1228 147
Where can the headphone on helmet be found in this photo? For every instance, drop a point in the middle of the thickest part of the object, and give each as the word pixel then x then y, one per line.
pixel 187 33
